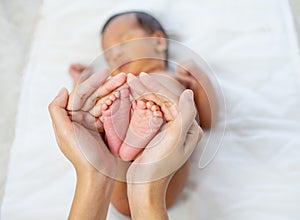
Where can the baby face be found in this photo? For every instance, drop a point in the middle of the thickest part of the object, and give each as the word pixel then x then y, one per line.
pixel 129 48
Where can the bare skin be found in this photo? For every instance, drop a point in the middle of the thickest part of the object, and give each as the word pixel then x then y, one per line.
pixel 124 28
pixel 177 183
pixel 115 118
pixel 145 122
pixel 127 137
pixel 75 71
pixel 93 189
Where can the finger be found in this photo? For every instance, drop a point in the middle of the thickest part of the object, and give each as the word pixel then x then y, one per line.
pixel 154 86
pixel 177 129
pixel 185 143
pixel 86 120
pixel 103 90
pixel 161 157
pixel 84 89
pixel 167 99
pixel 96 111
pixel 77 66
pixel 140 91
pixel 187 111
pixel 193 137
pixel 87 71
pixel 58 112
pixel 173 154
pixel 136 87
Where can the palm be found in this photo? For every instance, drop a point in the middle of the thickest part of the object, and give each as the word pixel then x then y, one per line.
pixel 93 148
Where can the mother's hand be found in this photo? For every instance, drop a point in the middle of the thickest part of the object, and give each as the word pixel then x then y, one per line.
pixel 177 139
pixel 86 99
pixel 93 189
pixel 77 129
pixel 166 152
pixel 77 134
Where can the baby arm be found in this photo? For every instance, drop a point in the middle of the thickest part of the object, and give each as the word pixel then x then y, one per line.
pixel 192 77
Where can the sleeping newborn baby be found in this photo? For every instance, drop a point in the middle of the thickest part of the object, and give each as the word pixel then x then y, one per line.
pixel 129 126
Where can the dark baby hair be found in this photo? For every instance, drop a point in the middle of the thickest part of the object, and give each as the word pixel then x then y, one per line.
pixel 146 21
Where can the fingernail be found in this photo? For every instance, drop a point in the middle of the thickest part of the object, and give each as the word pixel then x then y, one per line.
pixel 190 93
pixel 130 77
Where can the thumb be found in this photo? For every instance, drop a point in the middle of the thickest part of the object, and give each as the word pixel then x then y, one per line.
pixel 193 137
pixel 61 100
pixel 187 110
pixel 186 114
pixel 59 104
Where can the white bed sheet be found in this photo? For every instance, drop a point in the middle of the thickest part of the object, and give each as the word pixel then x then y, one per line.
pixel 16 34
pixel 251 46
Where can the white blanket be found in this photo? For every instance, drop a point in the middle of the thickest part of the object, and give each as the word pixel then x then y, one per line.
pixel 252 48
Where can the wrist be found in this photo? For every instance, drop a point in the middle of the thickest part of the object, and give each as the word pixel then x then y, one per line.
pixel 94 179
pixel 148 194
pixel 147 200
pixel 92 196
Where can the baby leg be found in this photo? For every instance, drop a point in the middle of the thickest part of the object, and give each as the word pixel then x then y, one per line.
pixel 115 118
pixel 145 122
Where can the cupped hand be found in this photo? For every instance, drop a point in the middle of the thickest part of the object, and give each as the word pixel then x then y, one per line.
pixel 77 129
pixel 86 99
pixel 175 142
pixel 72 137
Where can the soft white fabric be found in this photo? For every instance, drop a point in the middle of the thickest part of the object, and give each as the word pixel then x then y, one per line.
pixel 251 46
pixel 15 38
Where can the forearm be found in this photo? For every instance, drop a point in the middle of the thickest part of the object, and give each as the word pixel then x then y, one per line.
pixel 92 197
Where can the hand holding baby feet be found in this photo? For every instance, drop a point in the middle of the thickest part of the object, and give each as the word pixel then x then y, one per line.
pixel 170 148
pixel 146 121
pixel 115 118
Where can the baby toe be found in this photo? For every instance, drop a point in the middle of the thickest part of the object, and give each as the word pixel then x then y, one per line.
pixel 157 113
pixel 116 94
pixel 156 123
pixel 108 102
pixel 104 107
pixel 149 104
pixel 141 104
pixel 155 108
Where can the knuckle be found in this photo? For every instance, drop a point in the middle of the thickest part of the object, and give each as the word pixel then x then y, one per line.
pixel 80 94
pixel 50 107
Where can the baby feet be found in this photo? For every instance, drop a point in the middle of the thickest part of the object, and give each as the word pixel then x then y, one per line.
pixel 145 122
pixel 115 118
pixel 125 137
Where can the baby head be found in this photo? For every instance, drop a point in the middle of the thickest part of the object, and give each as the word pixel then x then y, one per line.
pixel 134 42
